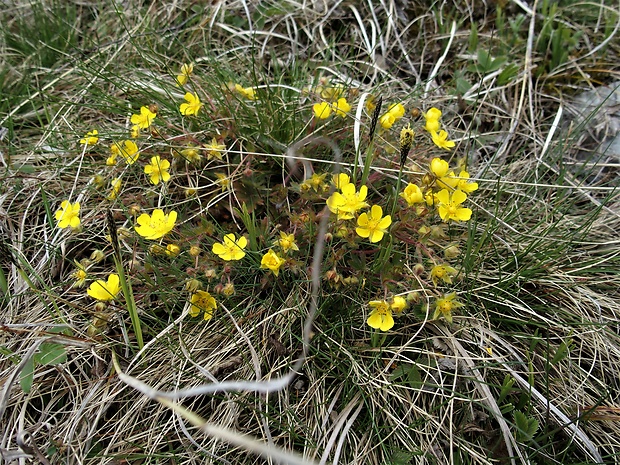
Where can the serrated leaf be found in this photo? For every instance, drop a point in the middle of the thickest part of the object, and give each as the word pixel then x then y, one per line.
pixel 526 427
pixel 27 376
pixel 401 457
pixel 509 381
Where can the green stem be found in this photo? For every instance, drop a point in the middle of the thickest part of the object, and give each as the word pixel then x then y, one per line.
pixel 131 303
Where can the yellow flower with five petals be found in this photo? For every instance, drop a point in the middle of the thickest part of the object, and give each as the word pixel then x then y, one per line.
pixel 68 214
pixel 272 261
pixel 105 290
pixel 230 248
pixel 346 203
pixel 158 170
pixel 144 119
pixel 373 226
pixel 192 105
pixel 156 225
pixel 202 301
pixel 381 315
pixel 450 205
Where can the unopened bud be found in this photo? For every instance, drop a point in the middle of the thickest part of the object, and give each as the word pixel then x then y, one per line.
pixel 452 252
pixel 193 285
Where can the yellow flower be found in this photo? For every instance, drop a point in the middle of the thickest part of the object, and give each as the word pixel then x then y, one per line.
pixel 287 242
pixel 381 315
pixel 202 301
pixel 68 214
pixel 341 107
pixel 348 202
pixel 371 104
pixel 441 140
pixel 373 226
pixel 464 185
pixel 332 93
pixel 315 182
pixel 156 225
pixel 144 119
pixel 186 71
pixel 102 290
pixel 445 305
pixel 79 274
pixel 272 261
pixel 430 198
pixel 223 180
pixel 443 273
pixel 135 131
pixel 398 304
pixel 172 250
pixel 394 113
pixel 247 92
pixel 191 154
pixel 432 120
pixel 158 170
pixel 433 113
pixel 340 180
pixel 192 106
pixel 450 205
pixel 439 167
pixel 90 138
pixel 230 248
pixel 116 188
pixel 111 160
pixel 322 110
pixel 412 194
pixel 215 150
pixel 128 150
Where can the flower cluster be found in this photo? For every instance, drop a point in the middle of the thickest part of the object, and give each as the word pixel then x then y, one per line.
pixel 333 101
pixel 381 315
pixel 395 112
pixel 439 136
pixel 375 228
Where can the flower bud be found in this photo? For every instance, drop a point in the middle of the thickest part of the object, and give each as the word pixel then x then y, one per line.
pixel 100 307
pixel 194 250
pixel 438 232
pixel 99 181
pixel 210 273
pixel 228 289
pixel 192 285
pixel 97 255
pixel 418 269
pixel 452 251
pixel 413 297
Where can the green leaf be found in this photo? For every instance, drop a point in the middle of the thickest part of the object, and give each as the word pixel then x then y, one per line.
pixel 508 74
pixel 497 64
pixel 526 427
pixel 484 61
pixel 562 351
pixel 473 37
pixel 506 388
pixel 462 85
pixel 51 354
pixel 401 457
pixel 27 375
